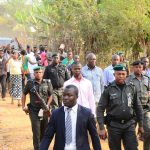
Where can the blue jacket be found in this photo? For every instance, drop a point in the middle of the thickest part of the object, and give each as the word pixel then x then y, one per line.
pixel 85 123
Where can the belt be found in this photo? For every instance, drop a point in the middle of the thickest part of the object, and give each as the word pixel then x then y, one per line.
pixel 121 121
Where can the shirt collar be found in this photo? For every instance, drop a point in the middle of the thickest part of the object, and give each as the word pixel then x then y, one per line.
pixel 133 75
pixel 74 79
pixel 90 68
pixel 74 108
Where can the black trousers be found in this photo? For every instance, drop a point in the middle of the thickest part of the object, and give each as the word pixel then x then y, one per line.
pixel 3 85
pixel 126 136
pixel 38 128
pixel 146 125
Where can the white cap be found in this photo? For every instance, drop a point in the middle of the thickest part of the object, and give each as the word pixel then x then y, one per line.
pixel 62 46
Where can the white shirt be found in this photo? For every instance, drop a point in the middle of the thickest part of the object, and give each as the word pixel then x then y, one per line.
pixel 33 59
pixel 73 113
pixel 108 75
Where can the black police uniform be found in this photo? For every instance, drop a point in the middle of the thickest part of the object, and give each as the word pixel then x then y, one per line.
pixel 58 74
pixel 38 126
pixel 120 103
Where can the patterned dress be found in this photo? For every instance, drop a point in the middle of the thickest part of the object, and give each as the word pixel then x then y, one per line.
pixel 15 78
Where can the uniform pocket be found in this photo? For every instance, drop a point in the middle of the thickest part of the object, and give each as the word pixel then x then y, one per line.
pixel 114 99
pixel 44 89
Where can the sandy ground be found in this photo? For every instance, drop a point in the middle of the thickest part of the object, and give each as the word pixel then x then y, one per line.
pixel 15 128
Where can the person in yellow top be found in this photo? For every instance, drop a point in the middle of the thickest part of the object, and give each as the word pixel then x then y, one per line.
pixel 15 77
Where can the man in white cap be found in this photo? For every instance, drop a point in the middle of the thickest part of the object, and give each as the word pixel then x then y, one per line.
pixel 63 54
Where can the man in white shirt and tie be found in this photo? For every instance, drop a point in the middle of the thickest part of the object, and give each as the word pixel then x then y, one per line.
pixel 70 125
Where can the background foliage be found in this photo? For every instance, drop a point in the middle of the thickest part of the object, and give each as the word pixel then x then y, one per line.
pixel 101 26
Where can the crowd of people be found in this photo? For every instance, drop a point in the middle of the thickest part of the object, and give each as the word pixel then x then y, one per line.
pixel 68 99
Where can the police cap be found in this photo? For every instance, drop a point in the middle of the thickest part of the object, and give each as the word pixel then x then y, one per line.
pixel 120 53
pixel 119 67
pixel 138 62
pixel 37 68
pixel 55 54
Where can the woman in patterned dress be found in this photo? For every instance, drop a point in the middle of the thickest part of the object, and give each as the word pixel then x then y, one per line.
pixel 15 77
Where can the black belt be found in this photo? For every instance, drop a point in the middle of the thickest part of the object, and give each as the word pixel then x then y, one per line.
pixel 121 121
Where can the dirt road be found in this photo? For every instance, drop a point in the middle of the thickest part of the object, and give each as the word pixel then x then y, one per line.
pixel 15 128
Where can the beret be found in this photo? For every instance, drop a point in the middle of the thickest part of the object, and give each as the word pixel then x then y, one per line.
pixel 119 67
pixel 37 68
pixel 55 54
pixel 138 62
pixel 120 53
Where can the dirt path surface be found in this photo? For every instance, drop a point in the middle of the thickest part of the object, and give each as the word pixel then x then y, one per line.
pixel 15 128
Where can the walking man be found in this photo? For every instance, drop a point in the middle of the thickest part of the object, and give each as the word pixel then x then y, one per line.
pixel 70 125
pixel 95 75
pixel 3 74
pixel 142 85
pixel 34 108
pixel 109 71
pixel 86 96
pixel 119 99
pixel 58 74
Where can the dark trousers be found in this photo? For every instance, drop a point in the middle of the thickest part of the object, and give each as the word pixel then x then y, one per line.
pixel 127 136
pixel 57 98
pixel 3 85
pixel 38 128
pixel 146 125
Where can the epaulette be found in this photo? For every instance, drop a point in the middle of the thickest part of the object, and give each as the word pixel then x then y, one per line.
pixel 61 65
pixel 46 80
pixel 106 86
pixel 30 80
pixel 131 83
pixel 146 76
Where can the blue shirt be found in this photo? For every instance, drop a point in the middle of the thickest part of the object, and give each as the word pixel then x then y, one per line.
pixel 95 75
pixel 147 72
pixel 108 75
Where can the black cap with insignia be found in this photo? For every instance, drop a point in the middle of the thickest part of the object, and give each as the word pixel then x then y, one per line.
pixel 55 54
pixel 119 67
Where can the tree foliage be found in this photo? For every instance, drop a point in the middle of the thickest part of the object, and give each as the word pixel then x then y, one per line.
pixel 99 26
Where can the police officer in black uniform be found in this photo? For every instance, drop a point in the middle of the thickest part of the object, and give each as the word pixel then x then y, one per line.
pixel 38 119
pixel 58 74
pixel 119 99
pixel 142 84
